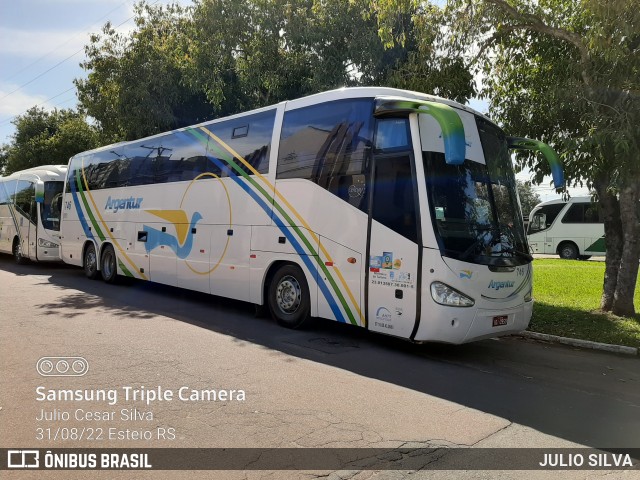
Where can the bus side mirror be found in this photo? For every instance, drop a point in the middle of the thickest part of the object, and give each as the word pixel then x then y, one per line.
pixel 517 143
pixel 39 191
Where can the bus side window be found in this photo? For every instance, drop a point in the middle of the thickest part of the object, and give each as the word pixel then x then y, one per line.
pixel 582 213
pixel 538 222
pixel 248 137
pixel 329 145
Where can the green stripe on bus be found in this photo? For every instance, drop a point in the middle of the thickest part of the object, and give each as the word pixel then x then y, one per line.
pixel 597 246
pixel 86 206
pixel 300 233
pixel 231 162
pixel 124 269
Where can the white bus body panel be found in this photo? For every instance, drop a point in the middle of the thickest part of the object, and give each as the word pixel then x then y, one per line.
pixel 31 235
pixel 494 294
pixel 221 236
pixel 588 237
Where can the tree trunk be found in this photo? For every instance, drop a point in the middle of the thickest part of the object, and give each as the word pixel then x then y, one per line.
pixel 612 241
pixel 628 271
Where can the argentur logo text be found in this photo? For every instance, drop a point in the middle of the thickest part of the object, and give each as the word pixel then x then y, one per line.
pixel 499 285
pixel 116 204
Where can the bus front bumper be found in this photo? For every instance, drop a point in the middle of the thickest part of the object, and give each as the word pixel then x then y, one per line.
pixel 461 325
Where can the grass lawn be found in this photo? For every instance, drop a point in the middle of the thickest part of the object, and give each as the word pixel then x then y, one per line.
pixel 567 296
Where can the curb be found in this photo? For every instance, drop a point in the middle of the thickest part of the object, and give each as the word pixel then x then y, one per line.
pixel 574 342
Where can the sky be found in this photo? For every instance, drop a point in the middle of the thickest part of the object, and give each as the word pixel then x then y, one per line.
pixel 41 48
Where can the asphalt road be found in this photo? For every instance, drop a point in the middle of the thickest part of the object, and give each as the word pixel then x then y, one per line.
pixel 328 385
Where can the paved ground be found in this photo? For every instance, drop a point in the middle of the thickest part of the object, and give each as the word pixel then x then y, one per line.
pixel 327 386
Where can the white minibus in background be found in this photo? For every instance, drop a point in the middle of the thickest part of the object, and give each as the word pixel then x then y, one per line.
pixel 573 229
pixel 391 210
pixel 30 205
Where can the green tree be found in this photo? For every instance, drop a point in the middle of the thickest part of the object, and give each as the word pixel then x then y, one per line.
pixel 4 156
pixel 180 66
pixel 425 63
pixel 528 196
pixel 568 71
pixel 136 86
pixel 47 137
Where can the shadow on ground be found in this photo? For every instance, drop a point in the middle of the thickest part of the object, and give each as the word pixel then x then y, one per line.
pixel 586 397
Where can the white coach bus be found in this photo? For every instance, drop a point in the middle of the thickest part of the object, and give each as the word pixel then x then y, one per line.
pixel 387 209
pixel 30 204
pixel 572 229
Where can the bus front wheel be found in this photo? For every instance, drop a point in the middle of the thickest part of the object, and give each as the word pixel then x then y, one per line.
pixel 17 252
pixel 288 297
pixel 568 251
pixel 108 266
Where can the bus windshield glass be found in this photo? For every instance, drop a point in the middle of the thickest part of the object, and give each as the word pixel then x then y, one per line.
pixel 52 206
pixel 474 207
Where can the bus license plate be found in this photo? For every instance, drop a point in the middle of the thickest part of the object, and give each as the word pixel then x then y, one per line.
pixel 500 320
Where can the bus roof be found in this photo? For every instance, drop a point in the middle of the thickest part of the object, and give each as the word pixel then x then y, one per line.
pixel 328 96
pixel 40 171
pixel 584 199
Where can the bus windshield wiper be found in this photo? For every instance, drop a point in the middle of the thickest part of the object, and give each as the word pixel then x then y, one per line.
pixel 478 240
pixel 518 253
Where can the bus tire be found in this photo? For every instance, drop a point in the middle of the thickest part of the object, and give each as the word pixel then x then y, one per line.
pixel 108 265
pixel 17 252
pixel 568 251
pixel 90 262
pixel 288 297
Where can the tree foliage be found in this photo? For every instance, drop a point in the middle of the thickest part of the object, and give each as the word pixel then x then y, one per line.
pixel 568 72
pixel 180 66
pixel 136 85
pixel 528 197
pixel 44 138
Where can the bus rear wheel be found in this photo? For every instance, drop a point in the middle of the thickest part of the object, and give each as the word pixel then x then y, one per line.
pixel 90 262
pixel 17 252
pixel 568 251
pixel 288 297
pixel 108 266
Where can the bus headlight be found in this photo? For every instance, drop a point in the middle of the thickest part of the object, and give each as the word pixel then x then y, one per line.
pixel 46 243
pixel 445 295
pixel 529 296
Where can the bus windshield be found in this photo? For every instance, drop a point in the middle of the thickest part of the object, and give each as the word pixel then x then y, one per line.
pixel 52 205
pixel 474 207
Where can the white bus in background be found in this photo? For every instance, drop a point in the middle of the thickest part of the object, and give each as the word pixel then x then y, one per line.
pixel 391 210
pixel 573 229
pixel 30 205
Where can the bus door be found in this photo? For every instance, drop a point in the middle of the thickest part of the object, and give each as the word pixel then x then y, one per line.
pixel 26 212
pixel 392 280
pixel 33 229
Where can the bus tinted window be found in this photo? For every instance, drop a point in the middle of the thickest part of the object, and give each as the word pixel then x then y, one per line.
pixel 582 213
pixel 245 141
pixel 181 158
pixel 393 201
pixel 4 196
pixel 52 206
pixel 102 169
pixel 328 145
pixel 392 133
pixel 544 217
pixel 24 199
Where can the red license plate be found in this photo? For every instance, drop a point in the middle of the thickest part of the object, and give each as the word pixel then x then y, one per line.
pixel 500 320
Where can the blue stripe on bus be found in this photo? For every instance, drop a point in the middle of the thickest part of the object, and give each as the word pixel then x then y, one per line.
pixel 83 221
pixel 287 232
